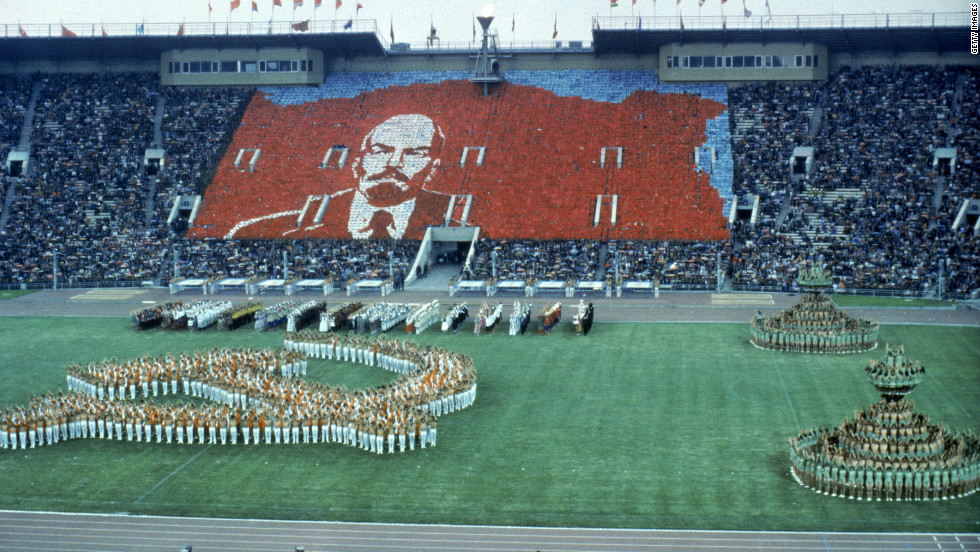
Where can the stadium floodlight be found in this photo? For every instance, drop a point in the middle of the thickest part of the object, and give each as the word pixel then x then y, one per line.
pixel 487 68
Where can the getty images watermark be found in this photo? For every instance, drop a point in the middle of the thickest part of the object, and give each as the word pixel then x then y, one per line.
pixel 973 28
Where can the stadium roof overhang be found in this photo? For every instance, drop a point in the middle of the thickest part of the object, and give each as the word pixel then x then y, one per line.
pixel 934 33
pixel 65 49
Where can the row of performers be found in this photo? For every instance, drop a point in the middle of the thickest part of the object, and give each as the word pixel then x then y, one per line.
pixel 199 315
pixel 488 318
pixel 371 318
pixel 861 338
pixel 867 479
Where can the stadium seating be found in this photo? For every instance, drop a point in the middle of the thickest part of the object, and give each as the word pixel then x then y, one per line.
pixel 873 211
pixel 542 171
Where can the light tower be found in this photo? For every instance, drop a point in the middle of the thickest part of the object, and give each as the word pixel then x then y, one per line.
pixel 487 68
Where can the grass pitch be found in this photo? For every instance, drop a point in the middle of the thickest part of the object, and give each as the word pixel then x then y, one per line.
pixel 14 293
pixel 637 425
pixel 872 301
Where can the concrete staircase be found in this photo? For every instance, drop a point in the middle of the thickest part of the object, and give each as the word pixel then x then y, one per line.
pixel 437 279
pixel 149 202
pixel 23 144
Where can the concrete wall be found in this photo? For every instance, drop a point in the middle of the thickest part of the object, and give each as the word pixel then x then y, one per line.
pixel 419 60
pixel 839 60
pixel 670 73
pixel 241 79
pixel 518 61
pixel 87 66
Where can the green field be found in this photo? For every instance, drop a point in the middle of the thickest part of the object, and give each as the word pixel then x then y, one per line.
pixel 637 425
pixel 871 301
pixel 14 293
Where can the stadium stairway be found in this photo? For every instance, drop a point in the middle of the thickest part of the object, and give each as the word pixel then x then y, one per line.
pixel 8 200
pixel 158 120
pixel 784 208
pixel 151 193
pixel 603 255
pixel 437 279
pixel 937 200
pixel 817 116
pixel 23 144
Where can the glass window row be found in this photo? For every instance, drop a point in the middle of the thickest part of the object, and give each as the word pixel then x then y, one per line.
pixel 738 62
pixel 242 66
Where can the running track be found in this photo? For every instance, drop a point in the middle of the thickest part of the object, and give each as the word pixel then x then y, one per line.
pixel 36 531
pixel 41 531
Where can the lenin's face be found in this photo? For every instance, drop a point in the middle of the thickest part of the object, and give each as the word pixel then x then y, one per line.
pixel 397 158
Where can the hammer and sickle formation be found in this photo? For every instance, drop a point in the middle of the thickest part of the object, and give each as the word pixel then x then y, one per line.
pixel 254 396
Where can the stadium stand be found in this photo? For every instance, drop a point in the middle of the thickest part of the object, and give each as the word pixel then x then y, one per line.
pixel 543 170
pixel 874 210
pixel 82 197
pixel 197 125
pixel 869 208
pixel 15 90
pixel 341 260
pixel 522 259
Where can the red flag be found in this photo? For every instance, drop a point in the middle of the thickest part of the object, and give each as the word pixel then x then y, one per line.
pixel 210 9
pixel 21 29
pixel 66 32
pixel 235 4
pixel 255 5
pixel 296 4
pixel 302 26
pixel 276 3
pixel 103 31
pixel 180 30
pixel 359 6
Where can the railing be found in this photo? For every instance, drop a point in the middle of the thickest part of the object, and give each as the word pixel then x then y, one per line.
pixel 686 288
pixel 899 293
pixel 82 285
pixel 502 45
pixel 761 20
pixel 213 28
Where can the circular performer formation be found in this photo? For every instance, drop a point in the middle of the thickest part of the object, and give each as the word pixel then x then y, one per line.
pixel 888 451
pixel 815 324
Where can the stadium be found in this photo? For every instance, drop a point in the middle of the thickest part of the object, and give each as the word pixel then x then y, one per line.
pixel 745 222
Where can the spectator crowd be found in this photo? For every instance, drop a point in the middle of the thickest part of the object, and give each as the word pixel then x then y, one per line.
pixel 874 210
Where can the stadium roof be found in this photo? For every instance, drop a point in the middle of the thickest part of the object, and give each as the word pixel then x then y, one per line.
pixel 109 42
pixel 938 33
